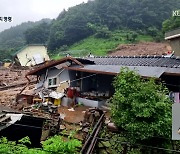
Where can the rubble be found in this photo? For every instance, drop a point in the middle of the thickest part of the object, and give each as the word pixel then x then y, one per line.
pixel 30 102
pixel 10 78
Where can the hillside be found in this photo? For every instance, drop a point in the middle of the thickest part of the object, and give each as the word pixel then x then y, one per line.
pixel 13 39
pixel 143 45
pixel 97 26
pixel 101 17
pixel 100 46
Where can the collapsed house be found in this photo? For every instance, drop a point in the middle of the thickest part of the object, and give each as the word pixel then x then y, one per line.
pixel 31 55
pixel 88 80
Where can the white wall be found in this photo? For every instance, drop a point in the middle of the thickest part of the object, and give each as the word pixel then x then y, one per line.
pixel 31 51
pixel 64 76
pixel 61 74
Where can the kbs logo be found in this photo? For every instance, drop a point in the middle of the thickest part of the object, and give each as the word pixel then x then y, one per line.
pixel 176 13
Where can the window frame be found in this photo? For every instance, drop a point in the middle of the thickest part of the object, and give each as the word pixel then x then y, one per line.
pixel 52 82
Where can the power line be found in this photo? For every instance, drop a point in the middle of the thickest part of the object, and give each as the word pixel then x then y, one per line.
pixel 83 78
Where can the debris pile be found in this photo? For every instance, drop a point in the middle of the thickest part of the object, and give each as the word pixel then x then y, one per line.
pixel 143 48
pixel 11 83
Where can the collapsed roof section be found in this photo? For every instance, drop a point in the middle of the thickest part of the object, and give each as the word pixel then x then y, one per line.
pixel 73 61
pixel 146 66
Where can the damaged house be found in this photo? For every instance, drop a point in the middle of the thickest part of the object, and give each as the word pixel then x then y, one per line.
pixel 31 55
pixel 89 80
pixel 173 38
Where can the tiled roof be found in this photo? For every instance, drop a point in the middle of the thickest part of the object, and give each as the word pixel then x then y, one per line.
pixel 148 66
pixel 153 61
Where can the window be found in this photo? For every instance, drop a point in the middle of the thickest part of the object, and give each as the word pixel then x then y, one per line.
pixel 52 81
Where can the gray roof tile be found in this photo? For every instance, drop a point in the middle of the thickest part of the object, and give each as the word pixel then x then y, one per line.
pixel 153 61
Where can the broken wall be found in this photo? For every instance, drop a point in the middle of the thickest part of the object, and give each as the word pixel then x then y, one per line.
pixel 60 74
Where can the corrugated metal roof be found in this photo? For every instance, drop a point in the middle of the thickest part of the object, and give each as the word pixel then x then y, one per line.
pixel 115 69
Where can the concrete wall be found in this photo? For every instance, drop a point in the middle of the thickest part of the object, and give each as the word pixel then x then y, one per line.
pixel 64 76
pixel 32 51
pixel 52 73
pixel 61 74
pixel 175 121
pixel 175 45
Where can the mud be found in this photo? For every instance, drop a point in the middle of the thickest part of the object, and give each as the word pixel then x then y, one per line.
pixel 143 48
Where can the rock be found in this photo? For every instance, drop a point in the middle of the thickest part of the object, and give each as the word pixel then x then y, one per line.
pixel 112 127
pixel 179 131
pixel 91 118
pixel 96 114
pixel 107 121
pixel 85 124
pixel 86 130
pixel 62 127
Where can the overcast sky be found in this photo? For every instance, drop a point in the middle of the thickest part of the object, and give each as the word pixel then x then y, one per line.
pixel 32 10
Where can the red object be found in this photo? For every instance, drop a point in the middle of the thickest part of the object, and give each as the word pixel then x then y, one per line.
pixel 71 92
pixel 169 52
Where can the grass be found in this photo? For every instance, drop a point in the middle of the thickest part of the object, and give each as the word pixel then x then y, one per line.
pixel 145 38
pixel 96 46
pixel 100 46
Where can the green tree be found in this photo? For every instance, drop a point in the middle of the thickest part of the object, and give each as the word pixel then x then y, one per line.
pixel 38 34
pixel 141 108
pixel 171 24
pixel 99 30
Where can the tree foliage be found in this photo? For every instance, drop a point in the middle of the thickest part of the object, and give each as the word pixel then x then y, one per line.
pixel 171 24
pixel 38 34
pixel 141 107
pixel 108 15
pixel 100 30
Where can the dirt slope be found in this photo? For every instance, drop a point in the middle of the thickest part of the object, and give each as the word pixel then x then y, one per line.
pixel 143 48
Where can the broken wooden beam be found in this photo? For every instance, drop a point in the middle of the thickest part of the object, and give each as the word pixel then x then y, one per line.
pixel 15 85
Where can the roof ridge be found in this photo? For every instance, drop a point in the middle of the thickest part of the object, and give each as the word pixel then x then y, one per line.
pixel 135 56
